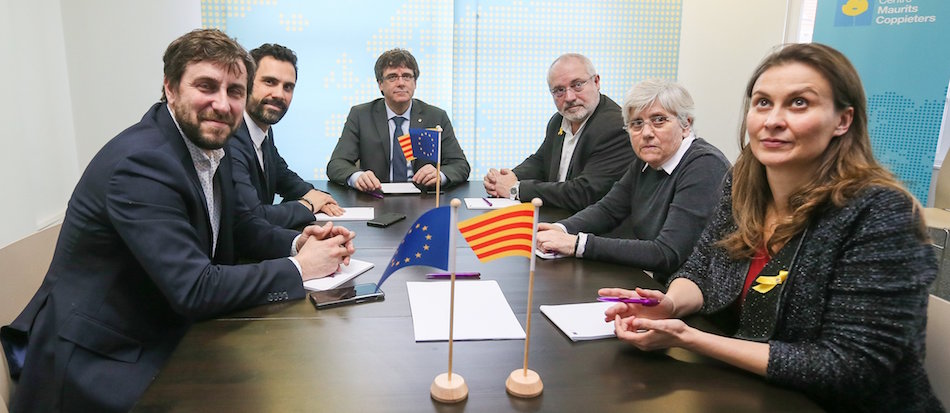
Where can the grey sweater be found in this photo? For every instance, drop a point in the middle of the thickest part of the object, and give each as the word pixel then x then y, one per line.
pixel 668 212
pixel 851 330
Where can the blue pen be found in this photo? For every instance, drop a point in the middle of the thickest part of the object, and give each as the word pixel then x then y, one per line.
pixel 648 302
pixel 486 201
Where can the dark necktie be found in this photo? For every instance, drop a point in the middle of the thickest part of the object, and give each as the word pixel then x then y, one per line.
pixel 264 151
pixel 400 171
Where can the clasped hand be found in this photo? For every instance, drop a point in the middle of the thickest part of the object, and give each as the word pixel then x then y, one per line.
pixel 498 183
pixel 551 238
pixel 321 249
pixel 646 328
pixel 323 202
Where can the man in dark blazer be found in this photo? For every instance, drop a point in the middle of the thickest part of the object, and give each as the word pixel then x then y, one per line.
pixel 147 244
pixel 585 148
pixel 259 170
pixel 364 155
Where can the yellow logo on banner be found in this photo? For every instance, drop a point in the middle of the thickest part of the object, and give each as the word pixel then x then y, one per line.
pixel 854 7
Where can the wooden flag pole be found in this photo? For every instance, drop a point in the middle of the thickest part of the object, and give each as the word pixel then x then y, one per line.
pixel 438 168
pixel 449 387
pixel 523 382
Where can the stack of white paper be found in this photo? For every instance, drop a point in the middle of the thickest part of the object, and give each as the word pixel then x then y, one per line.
pixel 584 321
pixel 489 203
pixel 400 188
pixel 481 311
pixel 349 214
pixel 346 273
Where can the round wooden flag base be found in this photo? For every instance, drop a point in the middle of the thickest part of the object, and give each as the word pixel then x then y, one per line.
pixel 448 391
pixel 525 386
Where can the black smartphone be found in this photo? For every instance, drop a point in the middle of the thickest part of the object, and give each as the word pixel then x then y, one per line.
pixel 346 295
pixel 385 219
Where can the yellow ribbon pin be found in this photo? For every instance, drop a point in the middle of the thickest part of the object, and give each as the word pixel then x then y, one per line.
pixel 766 284
pixel 560 131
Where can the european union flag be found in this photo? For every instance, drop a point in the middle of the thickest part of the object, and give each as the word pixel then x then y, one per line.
pixel 425 144
pixel 426 243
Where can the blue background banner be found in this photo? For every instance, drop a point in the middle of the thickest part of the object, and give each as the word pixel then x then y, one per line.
pixel 483 61
pixel 900 48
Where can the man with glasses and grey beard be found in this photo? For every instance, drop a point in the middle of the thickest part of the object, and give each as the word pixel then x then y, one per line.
pixel 585 148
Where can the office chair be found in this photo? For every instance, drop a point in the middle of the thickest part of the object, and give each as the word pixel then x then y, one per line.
pixel 937 360
pixel 23 265
pixel 938 225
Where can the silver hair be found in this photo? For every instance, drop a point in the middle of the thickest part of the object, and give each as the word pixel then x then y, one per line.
pixel 670 95
pixel 588 66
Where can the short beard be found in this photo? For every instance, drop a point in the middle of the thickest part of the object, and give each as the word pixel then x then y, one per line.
pixel 576 117
pixel 193 132
pixel 262 115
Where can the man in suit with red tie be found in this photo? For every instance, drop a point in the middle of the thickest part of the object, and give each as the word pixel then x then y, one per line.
pixel 370 135
pixel 259 170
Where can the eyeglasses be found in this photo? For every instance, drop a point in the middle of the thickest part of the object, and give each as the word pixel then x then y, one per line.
pixel 577 86
pixel 392 77
pixel 656 121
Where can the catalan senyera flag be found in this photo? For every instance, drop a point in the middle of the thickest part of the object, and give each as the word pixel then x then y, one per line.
pixel 405 142
pixel 420 143
pixel 501 233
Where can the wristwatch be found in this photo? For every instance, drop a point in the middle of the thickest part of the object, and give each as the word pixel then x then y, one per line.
pixel 513 191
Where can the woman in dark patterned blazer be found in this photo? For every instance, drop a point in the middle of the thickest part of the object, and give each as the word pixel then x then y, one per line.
pixel 815 258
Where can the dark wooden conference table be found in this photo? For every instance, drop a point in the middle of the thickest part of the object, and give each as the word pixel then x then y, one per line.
pixel 363 358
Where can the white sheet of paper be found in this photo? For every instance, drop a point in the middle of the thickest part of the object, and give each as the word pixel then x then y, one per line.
pixel 349 214
pixel 346 273
pixel 496 203
pixel 400 188
pixel 547 255
pixel 481 311
pixel 584 321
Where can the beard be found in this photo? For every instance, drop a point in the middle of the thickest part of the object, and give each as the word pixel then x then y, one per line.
pixel 262 114
pixel 205 136
pixel 578 114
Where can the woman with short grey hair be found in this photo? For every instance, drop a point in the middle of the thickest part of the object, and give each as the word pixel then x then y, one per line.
pixel 667 193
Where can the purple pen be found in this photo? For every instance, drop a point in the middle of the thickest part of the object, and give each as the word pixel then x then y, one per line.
pixel 376 194
pixel 486 201
pixel 457 275
pixel 648 302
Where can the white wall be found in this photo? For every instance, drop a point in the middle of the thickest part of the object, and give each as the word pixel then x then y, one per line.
pixel 721 42
pixel 114 50
pixel 78 72
pixel 75 73
pixel 38 159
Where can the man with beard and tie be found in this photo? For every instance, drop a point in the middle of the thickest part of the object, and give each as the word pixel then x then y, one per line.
pixel 585 148
pixel 259 170
pixel 148 244
pixel 368 150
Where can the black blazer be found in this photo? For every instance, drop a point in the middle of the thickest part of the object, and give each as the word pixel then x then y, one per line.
pixel 602 155
pixel 257 188
pixel 366 140
pixel 133 269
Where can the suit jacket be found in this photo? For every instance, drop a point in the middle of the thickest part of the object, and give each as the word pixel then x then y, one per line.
pixel 133 269
pixel 602 155
pixel 256 187
pixel 366 139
